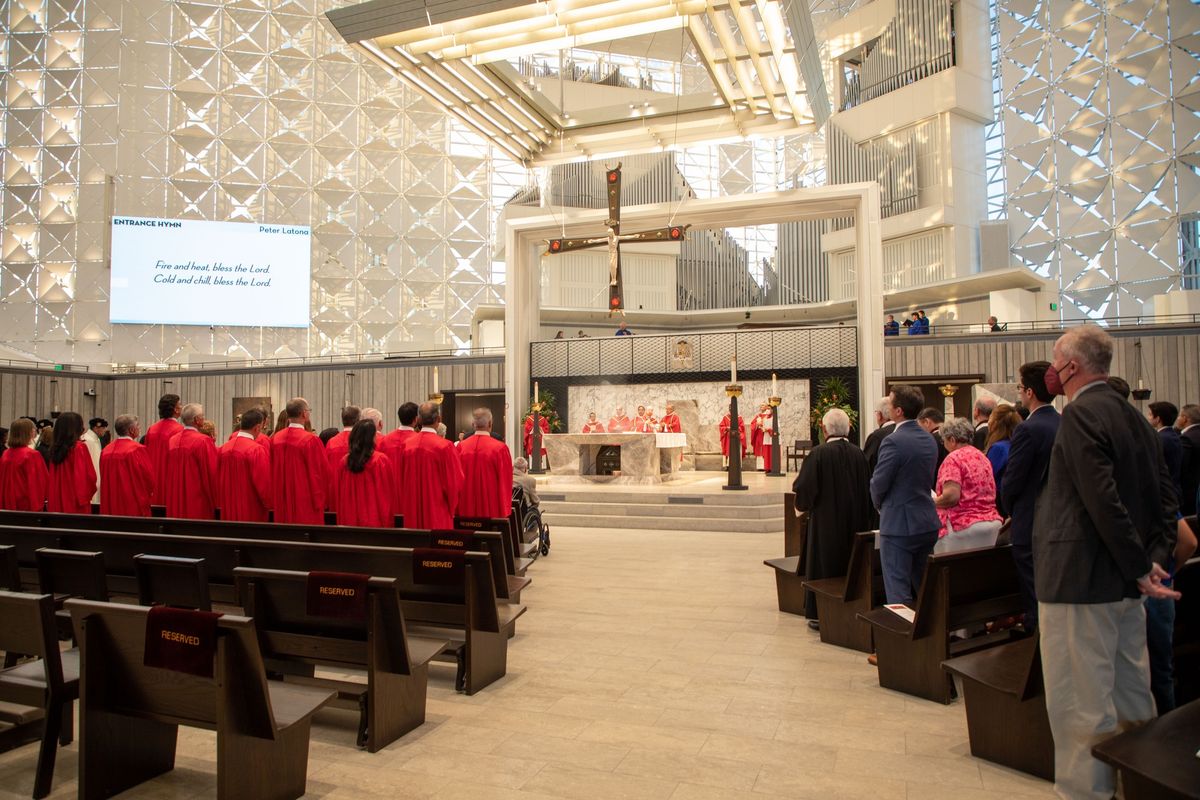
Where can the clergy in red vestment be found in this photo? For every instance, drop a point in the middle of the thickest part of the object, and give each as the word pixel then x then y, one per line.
pixel 23 473
pixel 72 478
pixel 244 473
pixel 430 474
pixel 487 472
pixel 544 424
pixel 191 490
pixel 158 440
pixel 299 469
pixel 392 445
pixel 126 475
pixel 593 425
pixel 364 481
pixel 670 421
pixel 723 428
pixel 756 435
pixel 764 425
pixel 337 448
pixel 619 423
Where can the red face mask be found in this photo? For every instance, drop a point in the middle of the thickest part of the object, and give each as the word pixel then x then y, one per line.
pixel 1054 383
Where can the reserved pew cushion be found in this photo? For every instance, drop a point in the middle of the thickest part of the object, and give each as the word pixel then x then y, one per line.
pixel 181 640
pixel 438 566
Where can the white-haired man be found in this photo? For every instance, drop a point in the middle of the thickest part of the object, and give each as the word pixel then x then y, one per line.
pixel 883 428
pixel 527 482
pixel 487 471
pixel 126 474
pixel 191 490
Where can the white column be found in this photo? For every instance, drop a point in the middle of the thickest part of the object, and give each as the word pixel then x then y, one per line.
pixel 869 285
pixel 522 299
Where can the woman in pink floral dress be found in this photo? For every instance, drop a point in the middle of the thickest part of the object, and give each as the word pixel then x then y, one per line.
pixel 965 492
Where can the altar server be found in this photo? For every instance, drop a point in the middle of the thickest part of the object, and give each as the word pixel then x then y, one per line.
pixel 23 473
pixel 431 475
pixel 393 444
pixel 593 425
pixel 337 448
pixel 92 437
pixel 126 474
pixel 723 429
pixel 766 430
pixel 619 422
pixel 364 481
pixel 191 490
pixel 72 478
pixel 299 469
pixel 158 439
pixel 244 473
pixel 670 421
pixel 544 424
pixel 487 471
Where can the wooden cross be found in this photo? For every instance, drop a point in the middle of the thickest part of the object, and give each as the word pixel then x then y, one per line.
pixel 613 239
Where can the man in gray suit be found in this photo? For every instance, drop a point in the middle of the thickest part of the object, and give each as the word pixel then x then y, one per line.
pixel 1105 524
pixel 901 489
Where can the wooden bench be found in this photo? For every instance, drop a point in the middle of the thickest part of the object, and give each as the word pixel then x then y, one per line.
pixel 10 569
pixel 841 602
pixel 514 562
pixel 789 570
pixel 1006 706
pixel 1187 632
pixel 958 590
pixel 392 702
pixel 130 713
pixel 1157 761
pixel 172 581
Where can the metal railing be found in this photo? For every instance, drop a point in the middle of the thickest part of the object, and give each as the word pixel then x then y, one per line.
pixel 313 361
pixel 49 366
pixel 1047 326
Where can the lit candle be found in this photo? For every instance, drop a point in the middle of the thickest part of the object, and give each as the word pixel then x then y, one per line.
pixel 435 381
pixel 1140 384
pixel 774 386
pixel 535 391
pixel 733 371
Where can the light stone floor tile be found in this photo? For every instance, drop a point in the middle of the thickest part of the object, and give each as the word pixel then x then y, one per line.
pixel 651 664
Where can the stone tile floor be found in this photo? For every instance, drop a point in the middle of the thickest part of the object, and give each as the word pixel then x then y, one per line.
pixel 651 664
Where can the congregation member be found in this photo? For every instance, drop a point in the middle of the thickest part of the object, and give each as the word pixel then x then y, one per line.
pixel 670 422
pixel 994 325
pixel 900 490
pixel 158 440
pixel 299 469
pixel 338 447
pixel 891 327
pixel 23 473
pixel 281 422
pixel 527 439
pixel 593 425
pixel 965 492
pixel 833 488
pixel 1025 475
pixel 209 429
pixel 45 439
pixel 126 474
pixel 72 480
pixel 93 437
pixel 326 436
pixel 931 419
pixel 1189 467
pixel 487 471
pixel 981 412
pixel 191 490
pixel 1098 547
pixel 623 330
pixel 883 428
pixel 619 422
pixel 527 482
pixel 364 481
pixel 244 473
pixel 723 431
pixel 1001 425
pixel 376 417
pixel 393 443
pixel 430 474
pixel 1162 416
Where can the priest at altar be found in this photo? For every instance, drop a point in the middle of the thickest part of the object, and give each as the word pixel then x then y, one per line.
pixel 544 424
pixel 593 425
pixel 670 422
pixel 645 422
pixel 619 422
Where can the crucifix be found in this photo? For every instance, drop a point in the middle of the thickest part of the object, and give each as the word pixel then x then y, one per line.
pixel 613 239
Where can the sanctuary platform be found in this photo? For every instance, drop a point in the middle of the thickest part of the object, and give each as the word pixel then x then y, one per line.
pixel 615 458
pixel 691 502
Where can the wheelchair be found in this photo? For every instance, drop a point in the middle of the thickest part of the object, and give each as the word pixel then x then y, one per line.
pixel 529 522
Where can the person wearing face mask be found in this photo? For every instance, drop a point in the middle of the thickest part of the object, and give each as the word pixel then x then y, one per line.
pixel 1105 526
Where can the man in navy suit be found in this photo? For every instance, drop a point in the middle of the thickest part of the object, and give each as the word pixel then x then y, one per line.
pixel 901 489
pixel 1025 476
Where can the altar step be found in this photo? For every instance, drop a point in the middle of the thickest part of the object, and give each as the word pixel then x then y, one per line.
pixel 737 512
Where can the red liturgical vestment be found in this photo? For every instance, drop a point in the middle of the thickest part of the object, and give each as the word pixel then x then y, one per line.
pixel 191 490
pixel 158 440
pixel 126 479
pixel 367 498
pixel 243 480
pixel 432 479
pixel 487 477
pixel 299 476
pixel 23 478
pixel 72 483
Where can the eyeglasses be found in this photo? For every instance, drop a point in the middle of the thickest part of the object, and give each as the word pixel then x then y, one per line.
pixel 1020 388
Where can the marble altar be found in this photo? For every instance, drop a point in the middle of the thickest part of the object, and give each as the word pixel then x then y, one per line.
pixel 646 458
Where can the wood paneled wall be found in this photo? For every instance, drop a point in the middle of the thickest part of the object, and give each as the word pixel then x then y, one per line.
pixel 384 385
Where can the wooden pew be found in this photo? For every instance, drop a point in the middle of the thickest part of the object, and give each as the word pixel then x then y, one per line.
pixel 515 564
pixel 1006 706
pixel 1187 632
pixel 10 569
pixel 392 702
pixel 958 590
pixel 1157 761
pixel 130 713
pixel 789 570
pixel 841 602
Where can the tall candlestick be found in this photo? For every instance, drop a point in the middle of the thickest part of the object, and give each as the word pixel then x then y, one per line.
pixel 733 372
pixel 774 386
pixel 435 381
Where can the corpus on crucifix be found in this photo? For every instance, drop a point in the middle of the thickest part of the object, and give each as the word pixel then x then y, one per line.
pixel 613 239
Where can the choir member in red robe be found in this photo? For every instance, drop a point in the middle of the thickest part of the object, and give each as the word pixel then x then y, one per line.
pixel 72 478
pixel 723 428
pixel 23 474
pixel 487 472
pixel 191 490
pixel 392 445
pixel 299 469
pixel 158 441
pixel 670 421
pixel 430 475
pixel 619 423
pixel 365 483
pixel 544 424
pixel 126 474
pixel 593 425
pixel 337 448
pixel 244 473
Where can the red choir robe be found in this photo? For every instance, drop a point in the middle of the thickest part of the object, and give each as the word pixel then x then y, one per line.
pixel 724 429
pixel 261 439
pixel 126 479
pixel 620 425
pixel 23 479
pixel 72 483
pixel 243 480
pixel 158 441
pixel 487 477
pixel 191 490
pixel 392 446
pixel 431 477
pixel 756 435
pixel 367 498
pixel 336 450
pixel 299 477
pixel 670 424
pixel 593 427
pixel 544 424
